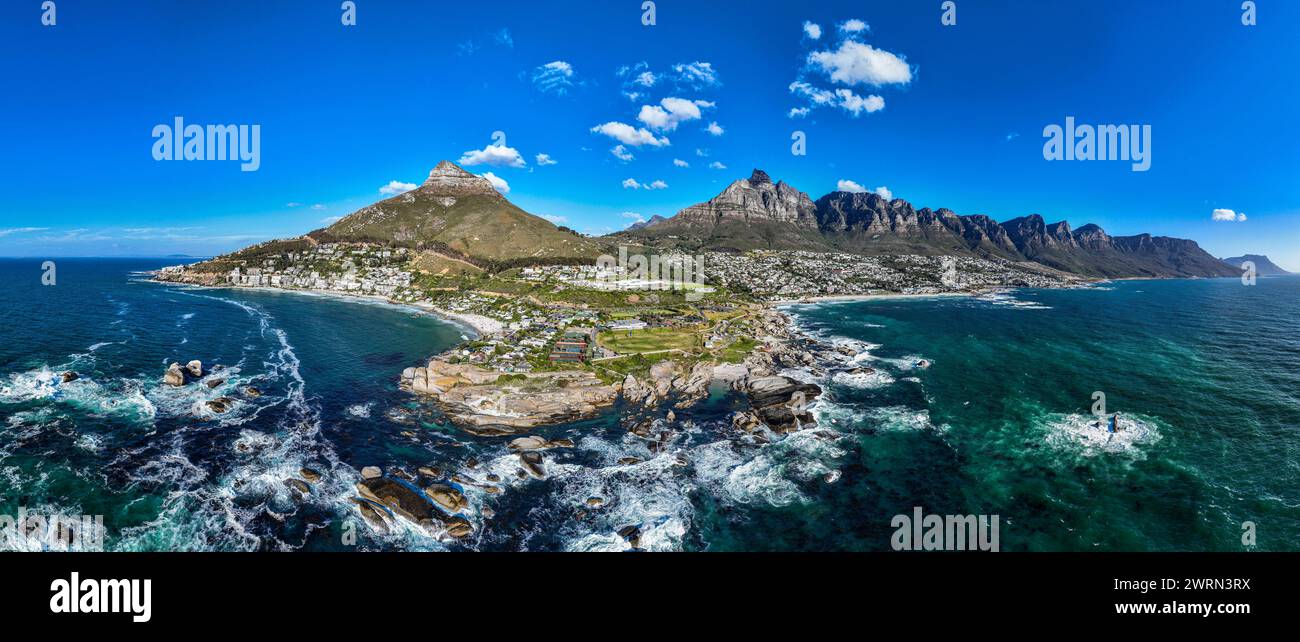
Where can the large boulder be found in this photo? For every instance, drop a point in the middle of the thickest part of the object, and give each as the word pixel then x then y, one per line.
pixel 782 403
pixel 195 368
pixel 412 505
pixel 174 376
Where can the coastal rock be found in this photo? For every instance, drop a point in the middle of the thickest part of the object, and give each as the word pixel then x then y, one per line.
pixel 195 368
pixel 374 514
pixel 68 377
pixel 371 472
pixel 511 409
pixel 533 442
pixel 449 498
pixel 532 462
pixel 310 475
pixel 782 403
pixel 412 505
pixel 213 383
pixel 297 485
pixel 252 392
pixel 636 393
pixel 174 376
pixel 220 404
pixel 661 377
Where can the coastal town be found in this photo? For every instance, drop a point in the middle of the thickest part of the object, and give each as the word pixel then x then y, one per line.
pixel 604 317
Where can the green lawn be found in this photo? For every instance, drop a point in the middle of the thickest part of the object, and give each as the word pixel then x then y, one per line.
pixel 651 340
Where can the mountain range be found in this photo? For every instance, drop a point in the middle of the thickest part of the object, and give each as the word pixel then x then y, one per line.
pixel 1263 266
pixel 459 216
pixel 756 213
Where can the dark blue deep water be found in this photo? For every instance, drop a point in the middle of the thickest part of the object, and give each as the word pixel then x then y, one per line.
pixel 1205 373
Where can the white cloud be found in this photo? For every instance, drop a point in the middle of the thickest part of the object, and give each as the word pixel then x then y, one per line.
pixel 1227 215
pixel 697 75
pixel 672 111
pixel 717 165
pixel 677 162
pixel 554 219
pixel 853 25
pixel 631 183
pixel 856 104
pixel 714 128
pixel 843 98
pixel 545 159
pixel 620 152
pixel 503 38
pixel 318 206
pixel 845 185
pixel 629 135
pixel 293 204
pixel 702 153
pixel 330 220
pixel 857 63
pixel 493 155
pixel 20 230
pixel 636 218
pixel 394 188
pixel 497 182
pixel 812 30
pixel 554 77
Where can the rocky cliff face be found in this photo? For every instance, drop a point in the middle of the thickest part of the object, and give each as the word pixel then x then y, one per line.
pixel 755 200
pixel 448 179
pixel 757 214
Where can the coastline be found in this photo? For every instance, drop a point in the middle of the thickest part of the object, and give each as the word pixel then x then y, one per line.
pixel 846 298
pixel 477 325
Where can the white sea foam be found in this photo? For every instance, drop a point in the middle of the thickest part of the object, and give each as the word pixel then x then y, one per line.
pixel 1089 435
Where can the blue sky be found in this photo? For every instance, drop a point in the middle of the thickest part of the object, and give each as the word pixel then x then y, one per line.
pixel 941 116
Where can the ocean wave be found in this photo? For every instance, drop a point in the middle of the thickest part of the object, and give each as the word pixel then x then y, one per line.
pixel 1089 436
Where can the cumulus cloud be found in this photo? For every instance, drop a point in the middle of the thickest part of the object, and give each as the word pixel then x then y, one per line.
pixel 856 104
pixel 845 185
pixel 812 30
pixel 853 25
pixel 636 217
pixel 632 183
pixel 629 135
pixel 545 159
pixel 620 152
pixel 493 155
pixel 842 98
pixel 717 165
pixel 318 207
pixel 293 204
pixel 697 75
pixel 671 112
pixel 497 182
pixel 857 63
pixel 554 78
pixel 394 188
pixel 1227 215
pixel 554 219
pixel 677 162
pixel 714 128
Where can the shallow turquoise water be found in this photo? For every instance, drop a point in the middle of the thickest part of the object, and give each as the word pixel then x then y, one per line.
pixel 1210 368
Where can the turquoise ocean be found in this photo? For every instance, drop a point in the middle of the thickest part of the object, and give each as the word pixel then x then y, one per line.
pixel 1204 373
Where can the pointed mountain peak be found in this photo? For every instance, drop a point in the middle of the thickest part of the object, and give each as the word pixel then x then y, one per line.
pixel 449 179
pixel 447 169
pixel 759 177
